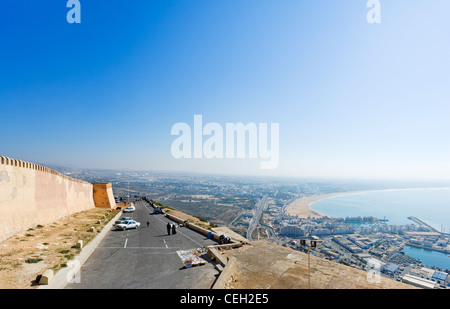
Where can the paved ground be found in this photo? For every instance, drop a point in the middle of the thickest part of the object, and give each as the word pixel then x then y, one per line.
pixel 146 257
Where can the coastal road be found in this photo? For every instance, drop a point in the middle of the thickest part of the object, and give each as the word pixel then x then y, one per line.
pixel 146 258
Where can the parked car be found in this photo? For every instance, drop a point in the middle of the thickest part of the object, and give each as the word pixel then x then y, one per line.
pixel 129 209
pixel 126 225
pixel 157 210
pixel 122 220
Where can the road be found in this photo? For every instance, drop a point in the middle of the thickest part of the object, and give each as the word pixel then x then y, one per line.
pixel 146 258
pixel 260 207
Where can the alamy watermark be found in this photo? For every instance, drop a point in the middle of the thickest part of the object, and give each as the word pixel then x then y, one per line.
pixel 74 14
pixel 374 14
pixel 228 143
pixel 372 17
pixel 73 275
pixel 374 271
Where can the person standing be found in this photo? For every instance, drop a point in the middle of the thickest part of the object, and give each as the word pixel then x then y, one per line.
pixel 174 231
pixel 168 228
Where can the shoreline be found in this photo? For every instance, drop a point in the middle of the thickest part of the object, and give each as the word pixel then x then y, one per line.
pixel 301 206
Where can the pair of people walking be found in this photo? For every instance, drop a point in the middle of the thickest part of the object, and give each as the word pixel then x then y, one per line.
pixel 171 228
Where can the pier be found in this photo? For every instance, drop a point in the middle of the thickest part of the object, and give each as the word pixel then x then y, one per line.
pixel 421 223
pixel 434 248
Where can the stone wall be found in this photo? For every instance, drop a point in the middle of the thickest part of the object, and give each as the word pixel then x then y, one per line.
pixel 32 194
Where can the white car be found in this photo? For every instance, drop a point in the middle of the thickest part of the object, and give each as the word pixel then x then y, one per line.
pixel 121 220
pixel 125 225
pixel 129 209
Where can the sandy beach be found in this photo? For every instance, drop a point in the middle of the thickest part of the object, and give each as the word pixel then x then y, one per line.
pixel 300 207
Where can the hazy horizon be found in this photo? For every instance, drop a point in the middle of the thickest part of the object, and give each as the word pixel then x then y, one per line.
pixel 353 99
pixel 413 183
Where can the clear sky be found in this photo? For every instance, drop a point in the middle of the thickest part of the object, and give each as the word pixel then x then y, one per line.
pixel 352 99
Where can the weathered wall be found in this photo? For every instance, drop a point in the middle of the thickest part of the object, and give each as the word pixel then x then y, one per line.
pixel 31 194
pixel 103 195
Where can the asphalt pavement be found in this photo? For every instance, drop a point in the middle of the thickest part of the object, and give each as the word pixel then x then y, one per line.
pixel 146 258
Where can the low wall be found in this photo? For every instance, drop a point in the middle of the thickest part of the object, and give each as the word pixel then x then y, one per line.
pixel 194 227
pixel 32 194
pixel 228 274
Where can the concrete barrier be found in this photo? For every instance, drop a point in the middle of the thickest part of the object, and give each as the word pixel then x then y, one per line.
pixel 192 226
pixel 201 230
pixel 227 276
pixel 47 277
pixel 79 244
pixel 214 253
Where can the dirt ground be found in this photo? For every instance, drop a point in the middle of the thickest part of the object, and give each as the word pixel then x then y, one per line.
pixel 26 255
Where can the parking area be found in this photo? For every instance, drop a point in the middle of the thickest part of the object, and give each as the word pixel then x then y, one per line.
pixel 146 257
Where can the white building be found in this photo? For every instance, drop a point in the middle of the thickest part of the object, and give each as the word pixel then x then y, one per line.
pixel 291 230
pixel 423 272
pixel 419 282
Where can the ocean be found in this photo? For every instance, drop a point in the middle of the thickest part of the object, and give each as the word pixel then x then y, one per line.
pixel 429 205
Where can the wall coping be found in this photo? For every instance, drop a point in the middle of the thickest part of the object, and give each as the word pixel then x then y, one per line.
pixel 36 167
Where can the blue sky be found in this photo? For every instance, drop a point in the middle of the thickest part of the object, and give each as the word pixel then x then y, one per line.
pixel 352 99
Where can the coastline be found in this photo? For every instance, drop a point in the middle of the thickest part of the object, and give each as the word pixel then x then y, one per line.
pixel 301 206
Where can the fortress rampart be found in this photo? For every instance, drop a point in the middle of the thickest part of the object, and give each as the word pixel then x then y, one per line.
pixel 31 194
pixel 103 195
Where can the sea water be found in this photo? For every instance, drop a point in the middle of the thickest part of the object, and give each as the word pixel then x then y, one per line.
pixel 428 257
pixel 429 205
pixel 432 206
